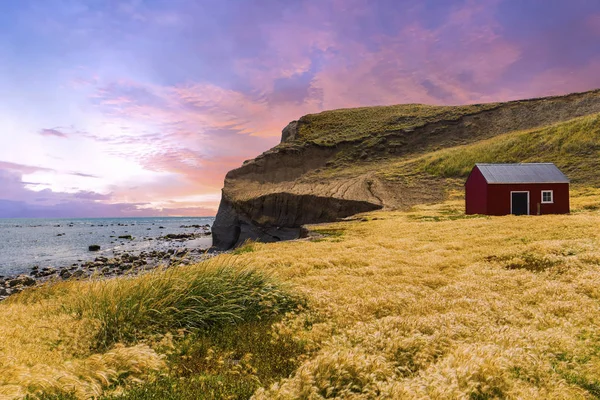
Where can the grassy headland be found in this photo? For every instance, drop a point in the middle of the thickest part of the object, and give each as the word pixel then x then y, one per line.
pixel 418 304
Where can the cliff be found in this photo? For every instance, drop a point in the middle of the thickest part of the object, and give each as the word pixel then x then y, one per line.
pixel 338 163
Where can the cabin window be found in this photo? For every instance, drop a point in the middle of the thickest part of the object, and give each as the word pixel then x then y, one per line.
pixel 547 196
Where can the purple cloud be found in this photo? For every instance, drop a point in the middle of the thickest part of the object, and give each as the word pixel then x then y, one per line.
pixel 83 175
pixel 24 169
pixel 188 89
pixel 53 132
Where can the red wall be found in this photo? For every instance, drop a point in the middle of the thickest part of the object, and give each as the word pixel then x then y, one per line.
pixel 498 198
pixel 475 193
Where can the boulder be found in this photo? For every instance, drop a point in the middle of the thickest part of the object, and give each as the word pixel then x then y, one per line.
pixel 22 280
pixel 65 274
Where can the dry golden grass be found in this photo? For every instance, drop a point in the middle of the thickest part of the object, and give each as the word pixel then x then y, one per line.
pixel 428 303
pixel 45 350
pixel 433 304
pixel 80 338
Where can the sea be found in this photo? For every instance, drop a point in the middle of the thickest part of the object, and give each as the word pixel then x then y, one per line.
pixel 25 243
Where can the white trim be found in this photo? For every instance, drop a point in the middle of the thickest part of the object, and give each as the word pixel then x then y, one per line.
pixel 551 196
pixel 519 191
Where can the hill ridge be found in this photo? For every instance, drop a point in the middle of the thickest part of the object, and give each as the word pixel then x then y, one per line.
pixel 304 180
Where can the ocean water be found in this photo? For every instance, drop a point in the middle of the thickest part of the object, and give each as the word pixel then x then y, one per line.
pixel 25 243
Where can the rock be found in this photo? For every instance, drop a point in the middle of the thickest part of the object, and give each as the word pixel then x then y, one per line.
pixel 46 271
pixel 23 280
pixel 290 132
pixel 94 247
pixel 179 236
pixel 65 274
pixel 78 273
pixel 283 213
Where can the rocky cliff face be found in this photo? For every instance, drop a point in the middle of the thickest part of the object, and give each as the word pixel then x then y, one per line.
pixel 306 180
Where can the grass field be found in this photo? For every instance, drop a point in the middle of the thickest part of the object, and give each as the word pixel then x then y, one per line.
pixel 428 303
pixel 434 304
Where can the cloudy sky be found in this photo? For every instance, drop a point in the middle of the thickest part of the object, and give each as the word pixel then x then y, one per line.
pixel 140 107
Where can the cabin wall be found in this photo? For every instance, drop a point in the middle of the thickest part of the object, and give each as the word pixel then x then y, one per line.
pixel 476 193
pixel 498 198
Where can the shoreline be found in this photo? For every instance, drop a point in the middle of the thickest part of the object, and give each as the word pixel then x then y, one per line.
pixel 121 263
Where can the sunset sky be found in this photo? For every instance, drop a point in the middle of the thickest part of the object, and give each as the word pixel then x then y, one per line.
pixel 140 107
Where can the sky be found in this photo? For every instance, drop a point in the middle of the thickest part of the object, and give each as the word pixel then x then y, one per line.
pixel 115 108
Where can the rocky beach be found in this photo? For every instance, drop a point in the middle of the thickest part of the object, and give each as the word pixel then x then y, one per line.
pixel 126 247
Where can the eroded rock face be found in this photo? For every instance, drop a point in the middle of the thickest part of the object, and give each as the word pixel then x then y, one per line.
pixel 278 216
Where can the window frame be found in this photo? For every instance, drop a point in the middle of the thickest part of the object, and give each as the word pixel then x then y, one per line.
pixel 551 196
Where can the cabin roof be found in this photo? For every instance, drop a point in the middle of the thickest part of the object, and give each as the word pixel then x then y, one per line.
pixel 522 173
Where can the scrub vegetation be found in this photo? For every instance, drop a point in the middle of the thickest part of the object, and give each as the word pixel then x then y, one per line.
pixel 420 304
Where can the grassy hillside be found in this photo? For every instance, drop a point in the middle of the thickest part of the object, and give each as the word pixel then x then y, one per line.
pixel 418 304
pixel 351 124
pixel 574 146
pixel 421 303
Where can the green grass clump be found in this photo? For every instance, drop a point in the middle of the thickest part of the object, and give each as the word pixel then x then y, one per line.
pixel 218 363
pixel 332 127
pixel 199 297
pixel 247 247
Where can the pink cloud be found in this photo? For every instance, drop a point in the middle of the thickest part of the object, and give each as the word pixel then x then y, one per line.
pixel 314 59
pixel 29 169
pixel 53 132
pixel 593 23
pixel 21 168
pixel 560 80
pixel 17 201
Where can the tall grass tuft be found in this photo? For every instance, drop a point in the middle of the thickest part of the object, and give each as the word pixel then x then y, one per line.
pixel 203 296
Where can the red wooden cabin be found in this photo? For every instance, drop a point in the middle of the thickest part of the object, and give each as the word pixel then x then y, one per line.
pixel 520 189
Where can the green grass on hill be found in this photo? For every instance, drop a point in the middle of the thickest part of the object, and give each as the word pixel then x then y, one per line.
pixel 332 127
pixel 574 146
